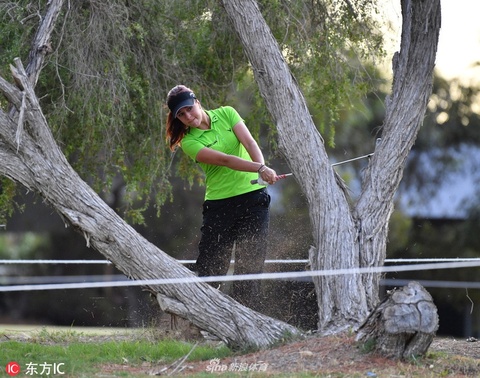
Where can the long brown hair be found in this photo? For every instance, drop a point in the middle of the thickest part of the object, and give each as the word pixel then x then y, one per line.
pixel 176 130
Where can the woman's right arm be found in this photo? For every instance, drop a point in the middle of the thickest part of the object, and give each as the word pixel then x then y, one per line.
pixel 209 156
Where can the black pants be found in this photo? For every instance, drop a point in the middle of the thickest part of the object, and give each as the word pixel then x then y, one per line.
pixel 241 221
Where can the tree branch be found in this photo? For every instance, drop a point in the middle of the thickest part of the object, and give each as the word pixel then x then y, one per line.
pixel 41 45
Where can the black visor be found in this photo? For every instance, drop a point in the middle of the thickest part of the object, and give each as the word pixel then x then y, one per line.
pixel 175 103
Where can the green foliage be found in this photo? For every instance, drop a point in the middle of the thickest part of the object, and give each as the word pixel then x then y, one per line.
pixel 19 21
pixel 328 45
pixel 452 116
pixel 7 204
pixel 398 232
pixel 188 171
pixel 103 88
pixel 22 245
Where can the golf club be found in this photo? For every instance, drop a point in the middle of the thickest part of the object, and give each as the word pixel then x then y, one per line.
pixel 349 160
pixel 333 165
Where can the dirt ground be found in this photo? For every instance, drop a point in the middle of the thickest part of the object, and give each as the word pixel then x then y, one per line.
pixel 340 356
pixel 333 356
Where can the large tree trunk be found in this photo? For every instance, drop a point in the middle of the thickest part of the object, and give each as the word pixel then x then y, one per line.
pixel 32 158
pixel 405 110
pixel 344 237
pixel 334 231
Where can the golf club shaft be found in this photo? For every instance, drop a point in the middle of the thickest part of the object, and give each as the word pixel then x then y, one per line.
pixel 333 165
pixel 349 160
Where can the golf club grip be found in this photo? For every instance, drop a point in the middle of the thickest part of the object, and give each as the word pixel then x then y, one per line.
pixel 279 177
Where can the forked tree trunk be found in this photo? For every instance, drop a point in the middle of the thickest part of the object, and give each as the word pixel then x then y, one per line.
pixel 345 237
pixel 30 156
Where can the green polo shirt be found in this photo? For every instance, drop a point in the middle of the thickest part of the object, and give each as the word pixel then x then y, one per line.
pixel 221 182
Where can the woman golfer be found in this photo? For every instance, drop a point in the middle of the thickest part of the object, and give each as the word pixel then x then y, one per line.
pixel 235 212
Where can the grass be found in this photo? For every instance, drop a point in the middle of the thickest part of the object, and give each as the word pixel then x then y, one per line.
pixel 143 352
pixel 81 357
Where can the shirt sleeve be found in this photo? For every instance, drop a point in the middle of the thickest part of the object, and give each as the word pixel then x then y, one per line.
pixel 191 147
pixel 232 114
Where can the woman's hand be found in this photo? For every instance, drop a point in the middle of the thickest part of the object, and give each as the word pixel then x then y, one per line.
pixel 268 175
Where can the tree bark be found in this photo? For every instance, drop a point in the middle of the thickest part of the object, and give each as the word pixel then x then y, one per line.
pixel 334 232
pixel 405 108
pixel 344 236
pixel 41 42
pixel 403 325
pixel 33 159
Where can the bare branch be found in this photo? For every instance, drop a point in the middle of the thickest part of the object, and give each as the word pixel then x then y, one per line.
pixel 41 44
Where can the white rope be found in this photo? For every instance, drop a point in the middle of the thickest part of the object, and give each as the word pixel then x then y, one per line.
pixel 21 262
pixel 120 277
pixel 243 277
pixel 287 261
pixel 434 259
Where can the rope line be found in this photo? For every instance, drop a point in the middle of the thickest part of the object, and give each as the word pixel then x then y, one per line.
pixel 285 261
pixel 243 277
pixel 120 277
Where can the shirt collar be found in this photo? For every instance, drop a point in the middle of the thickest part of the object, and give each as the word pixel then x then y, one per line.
pixel 213 118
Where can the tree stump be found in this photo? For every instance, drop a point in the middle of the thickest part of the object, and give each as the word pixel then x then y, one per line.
pixel 403 324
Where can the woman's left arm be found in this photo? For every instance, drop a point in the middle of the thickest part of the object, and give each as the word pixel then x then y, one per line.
pixel 246 138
